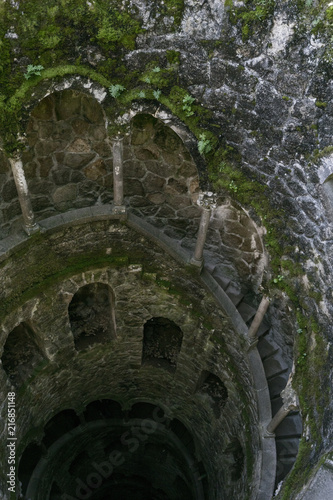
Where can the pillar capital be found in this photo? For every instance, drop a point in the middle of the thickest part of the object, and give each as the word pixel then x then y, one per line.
pixel 207 200
pixel 117 139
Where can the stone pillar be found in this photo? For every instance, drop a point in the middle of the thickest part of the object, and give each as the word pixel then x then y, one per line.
pixel 197 258
pixel 263 306
pixel 29 225
pixel 290 403
pixel 118 177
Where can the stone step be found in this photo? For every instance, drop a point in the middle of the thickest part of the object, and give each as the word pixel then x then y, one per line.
pixel 234 294
pixel 264 328
pixel 287 447
pixel 275 364
pixel 222 281
pixel 283 466
pixel 290 426
pixel 277 383
pixel 246 311
pixel 267 347
pixel 276 404
pixel 209 266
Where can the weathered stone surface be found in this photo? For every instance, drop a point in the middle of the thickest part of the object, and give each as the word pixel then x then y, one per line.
pixel 9 191
pixel 267 90
pixel 95 170
pixel 64 193
pixel 44 110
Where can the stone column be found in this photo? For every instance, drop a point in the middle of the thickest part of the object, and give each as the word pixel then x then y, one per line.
pixel 263 306
pixel 118 177
pixel 29 225
pixel 290 403
pixel 197 258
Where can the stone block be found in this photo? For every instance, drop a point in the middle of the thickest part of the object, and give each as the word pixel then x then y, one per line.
pixel 147 153
pixel 91 110
pixel 78 160
pixel 156 198
pixel 45 165
pixel 234 294
pixel 42 186
pixel 192 212
pixel 9 191
pixel 103 148
pixel 176 186
pixel 277 383
pixel 95 170
pixel 167 139
pixel 287 447
pixel 133 188
pixel 79 146
pixel 44 110
pixel 61 176
pixel 166 211
pixel 134 169
pixel 266 347
pixel 80 126
pixel 275 364
pixel 178 201
pixel 47 147
pixel 4 164
pixel 64 193
pixel 153 183
pixel 68 104
pixel 40 203
pixel 290 426
pixel 246 311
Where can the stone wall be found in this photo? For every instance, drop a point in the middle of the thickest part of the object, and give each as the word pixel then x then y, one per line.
pixel 261 78
pixel 152 287
pixel 69 161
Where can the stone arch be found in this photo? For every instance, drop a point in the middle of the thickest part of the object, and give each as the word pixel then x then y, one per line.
pixel 161 181
pixel 91 315
pixel 28 461
pixel 183 434
pixel 101 409
pixel 165 116
pixel 145 410
pixel 69 161
pixel 212 387
pixel 21 353
pixel 75 82
pixel 58 425
pixel 162 340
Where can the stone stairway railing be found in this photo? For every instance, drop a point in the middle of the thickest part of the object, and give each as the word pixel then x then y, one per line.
pixel 277 371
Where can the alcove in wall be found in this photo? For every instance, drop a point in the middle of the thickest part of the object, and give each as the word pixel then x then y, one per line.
pixel 21 353
pixel 212 387
pixel 162 340
pixel 91 315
